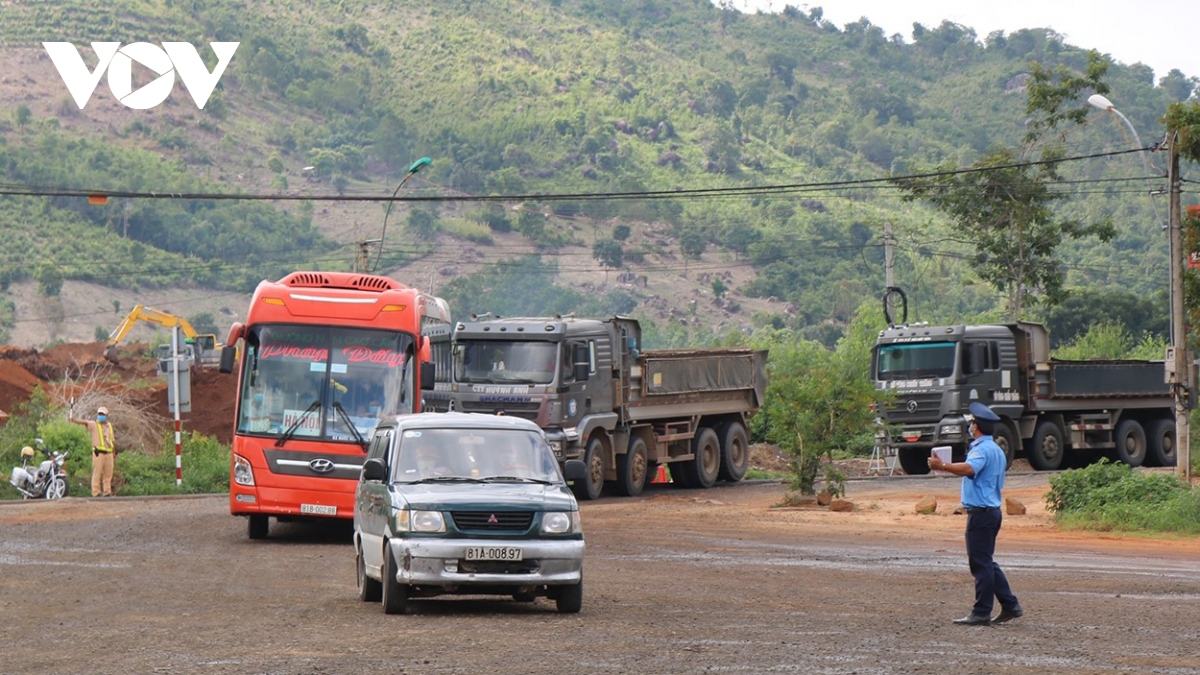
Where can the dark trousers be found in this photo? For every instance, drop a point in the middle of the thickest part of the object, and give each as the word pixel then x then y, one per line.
pixel 990 582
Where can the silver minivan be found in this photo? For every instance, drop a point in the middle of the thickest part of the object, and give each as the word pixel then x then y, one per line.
pixel 466 504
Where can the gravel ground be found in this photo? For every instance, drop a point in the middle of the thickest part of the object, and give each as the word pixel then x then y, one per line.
pixel 677 581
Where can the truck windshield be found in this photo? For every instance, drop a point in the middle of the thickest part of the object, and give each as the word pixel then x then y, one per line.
pixel 505 362
pixel 353 376
pixel 915 361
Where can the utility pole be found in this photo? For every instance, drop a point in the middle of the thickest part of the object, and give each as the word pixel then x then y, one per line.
pixel 888 253
pixel 1179 375
pixel 364 254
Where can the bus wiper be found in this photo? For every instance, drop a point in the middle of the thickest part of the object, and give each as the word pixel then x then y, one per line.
pixel 350 423
pixel 287 435
pixel 446 479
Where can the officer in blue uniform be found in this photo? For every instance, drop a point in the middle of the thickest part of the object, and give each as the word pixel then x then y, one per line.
pixel 983 479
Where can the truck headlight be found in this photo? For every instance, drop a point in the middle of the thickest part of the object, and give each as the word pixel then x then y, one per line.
pixel 561 522
pixel 242 473
pixel 950 430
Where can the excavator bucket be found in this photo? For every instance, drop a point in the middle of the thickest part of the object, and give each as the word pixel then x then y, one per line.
pixel 110 354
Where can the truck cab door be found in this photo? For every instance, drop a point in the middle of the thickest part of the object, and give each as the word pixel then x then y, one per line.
pixel 980 370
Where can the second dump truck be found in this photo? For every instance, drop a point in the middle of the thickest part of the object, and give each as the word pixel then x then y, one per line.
pixel 1049 407
pixel 602 399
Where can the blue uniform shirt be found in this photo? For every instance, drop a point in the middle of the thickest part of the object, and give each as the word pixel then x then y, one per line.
pixel 987 459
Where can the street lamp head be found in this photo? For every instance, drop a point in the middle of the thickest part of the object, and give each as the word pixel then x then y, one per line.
pixel 1101 102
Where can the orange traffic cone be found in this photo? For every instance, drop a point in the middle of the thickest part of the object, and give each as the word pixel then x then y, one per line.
pixel 661 476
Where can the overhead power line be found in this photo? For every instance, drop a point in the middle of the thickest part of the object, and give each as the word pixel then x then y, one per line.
pixel 688 193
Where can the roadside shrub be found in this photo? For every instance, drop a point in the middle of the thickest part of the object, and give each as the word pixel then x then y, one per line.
pixel 204 459
pixel 1113 497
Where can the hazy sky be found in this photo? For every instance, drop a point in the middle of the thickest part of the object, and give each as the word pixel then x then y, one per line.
pixel 1158 33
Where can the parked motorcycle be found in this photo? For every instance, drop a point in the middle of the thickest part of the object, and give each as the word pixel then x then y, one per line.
pixel 47 480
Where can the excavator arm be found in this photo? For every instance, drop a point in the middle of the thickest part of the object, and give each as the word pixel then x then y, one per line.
pixel 207 342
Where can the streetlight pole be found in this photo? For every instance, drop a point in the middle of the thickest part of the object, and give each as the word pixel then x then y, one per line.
pixel 1102 102
pixel 1178 372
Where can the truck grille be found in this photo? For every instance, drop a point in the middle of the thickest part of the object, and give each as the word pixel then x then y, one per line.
pixel 908 407
pixel 493 521
pixel 523 410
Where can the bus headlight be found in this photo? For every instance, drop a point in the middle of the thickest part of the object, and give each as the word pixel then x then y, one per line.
pixel 242 473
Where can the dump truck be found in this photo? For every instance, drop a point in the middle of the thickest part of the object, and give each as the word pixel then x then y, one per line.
pixel 929 375
pixel 601 399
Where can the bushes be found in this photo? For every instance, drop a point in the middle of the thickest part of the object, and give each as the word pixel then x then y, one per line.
pixel 1112 496
pixel 205 464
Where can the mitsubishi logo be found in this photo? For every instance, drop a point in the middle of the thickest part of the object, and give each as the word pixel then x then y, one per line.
pixel 492 519
pixel 912 406
pixel 321 465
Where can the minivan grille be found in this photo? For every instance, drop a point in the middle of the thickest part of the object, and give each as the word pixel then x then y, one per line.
pixel 492 520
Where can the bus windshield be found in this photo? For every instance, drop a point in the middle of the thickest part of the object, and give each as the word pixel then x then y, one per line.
pixel 323 382
pixel 915 361
pixel 493 361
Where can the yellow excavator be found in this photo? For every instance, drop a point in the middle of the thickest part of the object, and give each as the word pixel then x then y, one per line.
pixel 203 344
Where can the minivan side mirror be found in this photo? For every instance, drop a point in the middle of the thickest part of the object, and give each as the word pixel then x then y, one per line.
pixel 374 469
pixel 574 469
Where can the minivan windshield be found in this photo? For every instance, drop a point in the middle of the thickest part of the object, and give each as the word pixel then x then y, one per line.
pixel 427 455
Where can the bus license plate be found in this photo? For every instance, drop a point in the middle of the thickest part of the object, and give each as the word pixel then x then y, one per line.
pixel 318 509
pixel 493 553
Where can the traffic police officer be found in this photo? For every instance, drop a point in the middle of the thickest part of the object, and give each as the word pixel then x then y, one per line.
pixel 983 479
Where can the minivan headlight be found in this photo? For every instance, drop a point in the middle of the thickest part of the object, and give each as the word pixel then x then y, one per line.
pixel 420 521
pixel 561 522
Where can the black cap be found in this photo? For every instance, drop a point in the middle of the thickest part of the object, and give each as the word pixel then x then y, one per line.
pixel 984 413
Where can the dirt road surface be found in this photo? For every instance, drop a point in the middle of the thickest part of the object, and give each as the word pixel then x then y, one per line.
pixel 711 581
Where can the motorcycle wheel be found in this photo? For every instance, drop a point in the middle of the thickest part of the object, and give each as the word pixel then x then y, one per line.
pixel 57 489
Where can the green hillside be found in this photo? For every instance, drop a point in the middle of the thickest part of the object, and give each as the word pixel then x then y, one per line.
pixel 543 99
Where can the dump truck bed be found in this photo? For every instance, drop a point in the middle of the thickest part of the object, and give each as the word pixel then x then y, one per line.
pixel 688 382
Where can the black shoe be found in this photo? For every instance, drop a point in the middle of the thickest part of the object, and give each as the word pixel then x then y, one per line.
pixel 974 620
pixel 1009 614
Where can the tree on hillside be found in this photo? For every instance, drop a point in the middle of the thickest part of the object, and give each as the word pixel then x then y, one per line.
pixel 1183 127
pixel 1004 203
pixel 609 253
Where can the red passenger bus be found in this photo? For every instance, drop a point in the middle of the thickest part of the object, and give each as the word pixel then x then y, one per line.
pixel 324 355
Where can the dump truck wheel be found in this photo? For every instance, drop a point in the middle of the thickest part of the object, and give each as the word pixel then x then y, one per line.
pixel 914 461
pixel 1131 442
pixel 593 483
pixel 1007 440
pixel 632 468
pixel 1161 441
pixel 702 469
pixel 1046 450
pixel 735 452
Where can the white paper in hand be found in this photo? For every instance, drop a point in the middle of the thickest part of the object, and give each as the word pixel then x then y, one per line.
pixel 942 452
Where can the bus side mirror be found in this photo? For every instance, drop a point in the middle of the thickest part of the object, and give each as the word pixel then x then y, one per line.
pixel 374 469
pixel 228 356
pixel 427 372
